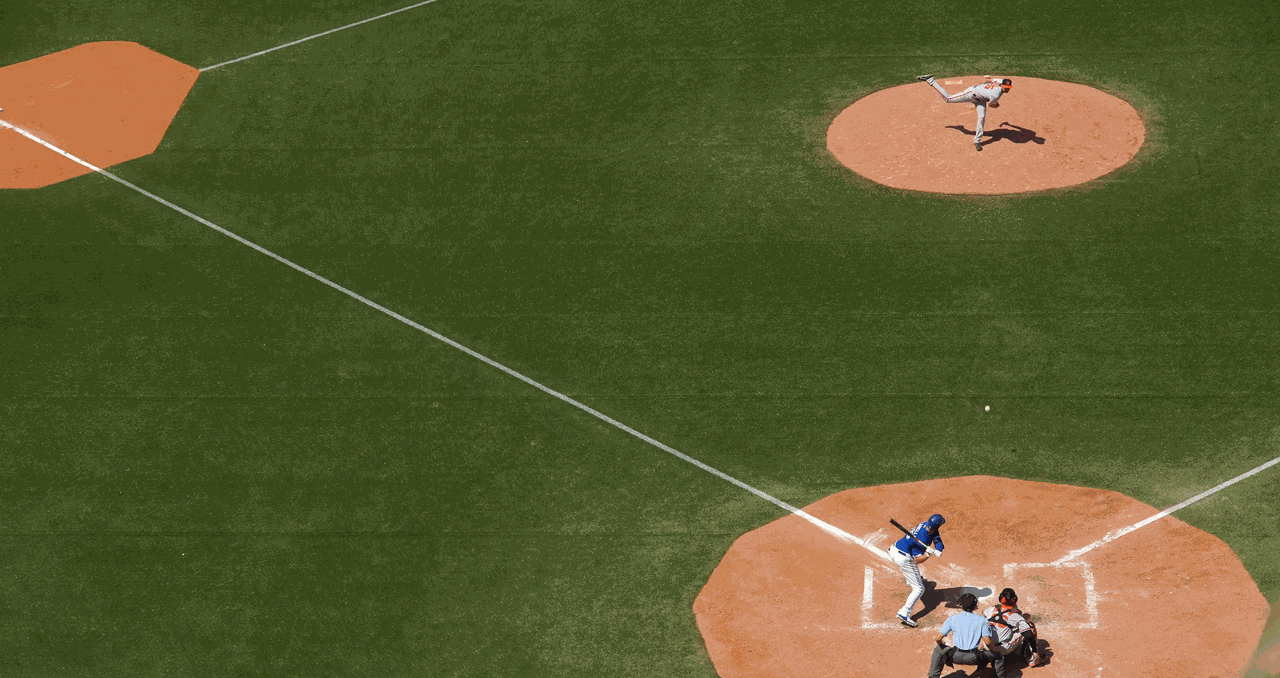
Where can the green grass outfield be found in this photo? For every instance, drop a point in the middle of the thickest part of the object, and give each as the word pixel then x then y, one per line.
pixel 211 465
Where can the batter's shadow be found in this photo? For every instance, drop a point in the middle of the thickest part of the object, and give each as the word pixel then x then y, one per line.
pixel 1015 133
pixel 948 597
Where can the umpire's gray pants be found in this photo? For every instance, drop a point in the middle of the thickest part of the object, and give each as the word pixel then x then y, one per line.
pixel 975 657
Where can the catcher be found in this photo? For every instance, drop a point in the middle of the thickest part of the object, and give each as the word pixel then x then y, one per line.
pixel 1015 634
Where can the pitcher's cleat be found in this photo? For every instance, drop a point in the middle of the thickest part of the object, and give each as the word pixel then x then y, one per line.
pixel 924 78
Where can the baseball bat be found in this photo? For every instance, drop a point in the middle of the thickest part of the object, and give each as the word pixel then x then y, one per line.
pixel 928 549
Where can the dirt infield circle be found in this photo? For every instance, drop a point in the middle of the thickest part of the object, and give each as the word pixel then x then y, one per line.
pixel 104 102
pixel 1045 134
pixel 1167 599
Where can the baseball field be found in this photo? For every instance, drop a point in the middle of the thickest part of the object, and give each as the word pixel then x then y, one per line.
pixel 212 464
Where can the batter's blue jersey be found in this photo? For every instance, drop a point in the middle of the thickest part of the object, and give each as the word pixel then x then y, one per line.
pixel 909 546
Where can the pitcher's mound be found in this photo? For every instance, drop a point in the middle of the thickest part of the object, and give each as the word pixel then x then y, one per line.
pixel 790 600
pixel 1045 134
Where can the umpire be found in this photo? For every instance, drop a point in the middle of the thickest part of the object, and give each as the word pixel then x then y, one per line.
pixel 970 641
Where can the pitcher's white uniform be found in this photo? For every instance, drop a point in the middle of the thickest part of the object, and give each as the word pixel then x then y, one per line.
pixel 979 95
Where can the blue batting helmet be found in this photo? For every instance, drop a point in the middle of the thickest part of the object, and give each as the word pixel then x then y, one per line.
pixel 935 521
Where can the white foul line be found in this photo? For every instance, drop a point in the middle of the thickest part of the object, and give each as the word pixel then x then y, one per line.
pixel 1121 532
pixel 824 526
pixel 318 35
pixel 49 146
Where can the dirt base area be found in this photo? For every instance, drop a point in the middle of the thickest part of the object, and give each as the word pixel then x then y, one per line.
pixel 1167 599
pixel 104 102
pixel 1045 134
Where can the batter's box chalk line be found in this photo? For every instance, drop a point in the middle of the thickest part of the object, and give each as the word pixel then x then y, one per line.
pixel 1081 569
pixel 1090 592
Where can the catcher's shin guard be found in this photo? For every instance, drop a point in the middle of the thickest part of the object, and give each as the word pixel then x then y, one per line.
pixel 1027 651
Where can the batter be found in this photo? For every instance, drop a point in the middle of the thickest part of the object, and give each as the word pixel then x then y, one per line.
pixel 907 553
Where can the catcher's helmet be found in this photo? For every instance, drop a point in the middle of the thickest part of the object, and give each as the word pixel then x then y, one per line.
pixel 935 521
pixel 1009 597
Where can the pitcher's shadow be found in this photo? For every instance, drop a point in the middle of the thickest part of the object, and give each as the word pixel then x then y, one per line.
pixel 1017 134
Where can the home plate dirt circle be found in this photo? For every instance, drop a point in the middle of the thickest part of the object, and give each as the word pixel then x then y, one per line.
pixel 1045 134
pixel 1167 599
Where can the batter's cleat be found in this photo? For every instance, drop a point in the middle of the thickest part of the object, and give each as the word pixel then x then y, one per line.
pixel 977 146
pixel 924 78
pixel 907 621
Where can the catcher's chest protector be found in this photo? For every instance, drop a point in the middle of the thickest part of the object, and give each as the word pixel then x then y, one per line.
pixel 999 616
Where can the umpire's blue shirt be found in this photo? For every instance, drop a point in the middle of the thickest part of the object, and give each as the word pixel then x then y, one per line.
pixel 969 628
